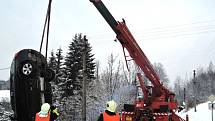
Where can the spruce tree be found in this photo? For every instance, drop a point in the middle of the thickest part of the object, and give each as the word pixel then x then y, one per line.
pixel 56 64
pixel 59 65
pixel 57 87
pixel 73 79
pixel 74 65
pixel 52 61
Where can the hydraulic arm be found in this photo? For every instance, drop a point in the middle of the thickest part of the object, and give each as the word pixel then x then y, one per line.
pixel 127 40
pixel 161 100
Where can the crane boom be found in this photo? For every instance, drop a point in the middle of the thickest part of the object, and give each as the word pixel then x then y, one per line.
pixel 127 40
pixel 158 106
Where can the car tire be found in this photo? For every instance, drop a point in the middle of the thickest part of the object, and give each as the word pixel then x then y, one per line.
pixel 49 75
pixel 27 69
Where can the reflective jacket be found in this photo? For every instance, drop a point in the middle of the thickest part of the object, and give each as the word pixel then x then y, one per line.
pixel 107 117
pixel 42 118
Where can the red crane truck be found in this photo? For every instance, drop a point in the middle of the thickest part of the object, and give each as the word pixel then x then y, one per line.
pixel 158 103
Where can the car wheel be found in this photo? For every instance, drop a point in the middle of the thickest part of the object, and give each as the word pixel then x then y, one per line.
pixel 27 69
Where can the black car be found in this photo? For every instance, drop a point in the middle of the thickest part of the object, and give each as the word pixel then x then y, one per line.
pixel 27 92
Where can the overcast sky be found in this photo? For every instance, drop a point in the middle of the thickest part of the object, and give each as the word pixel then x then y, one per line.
pixel 180 34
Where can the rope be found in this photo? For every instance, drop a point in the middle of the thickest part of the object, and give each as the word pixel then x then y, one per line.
pixel 44 28
pixel 47 20
pixel 47 37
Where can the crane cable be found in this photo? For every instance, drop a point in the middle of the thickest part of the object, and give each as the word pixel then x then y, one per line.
pixel 47 20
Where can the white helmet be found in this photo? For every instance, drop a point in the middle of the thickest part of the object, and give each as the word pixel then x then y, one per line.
pixel 111 106
pixel 45 108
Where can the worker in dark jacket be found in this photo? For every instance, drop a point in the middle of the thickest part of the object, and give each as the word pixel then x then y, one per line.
pixel 54 113
pixel 110 113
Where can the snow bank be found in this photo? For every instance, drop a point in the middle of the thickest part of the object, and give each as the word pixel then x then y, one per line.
pixel 203 113
pixel 4 95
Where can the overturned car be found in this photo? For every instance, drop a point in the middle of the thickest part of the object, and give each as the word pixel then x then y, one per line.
pixel 29 84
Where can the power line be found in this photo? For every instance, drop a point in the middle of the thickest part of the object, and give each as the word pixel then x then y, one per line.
pixel 176 30
pixel 181 25
pixel 181 34
pixel 166 35
pixel 5 68
pixel 212 50
pixel 166 28
pixel 171 31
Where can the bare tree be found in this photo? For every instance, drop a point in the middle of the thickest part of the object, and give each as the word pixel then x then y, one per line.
pixel 159 68
pixel 97 70
pixel 110 73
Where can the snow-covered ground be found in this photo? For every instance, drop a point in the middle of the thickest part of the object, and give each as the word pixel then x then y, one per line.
pixel 203 113
pixel 5 110
pixel 4 95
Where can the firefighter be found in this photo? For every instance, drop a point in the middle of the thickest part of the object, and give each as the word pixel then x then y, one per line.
pixel 47 113
pixel 110 113
pixel 54 113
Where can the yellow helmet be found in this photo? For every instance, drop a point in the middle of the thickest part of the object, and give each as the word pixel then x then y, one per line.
pixel 45 108
pixel 111 106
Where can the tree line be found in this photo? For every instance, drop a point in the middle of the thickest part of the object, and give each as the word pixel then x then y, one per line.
pixel 112 82
pixel 200 87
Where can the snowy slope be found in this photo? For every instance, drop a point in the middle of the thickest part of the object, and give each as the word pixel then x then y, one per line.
pixel 5 95
pixel 203 113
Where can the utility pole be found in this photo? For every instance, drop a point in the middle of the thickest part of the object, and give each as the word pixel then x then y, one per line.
pixel 194 88
pixel 212 111
pixel 185 101
pixel 184 95
pixel 84 81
